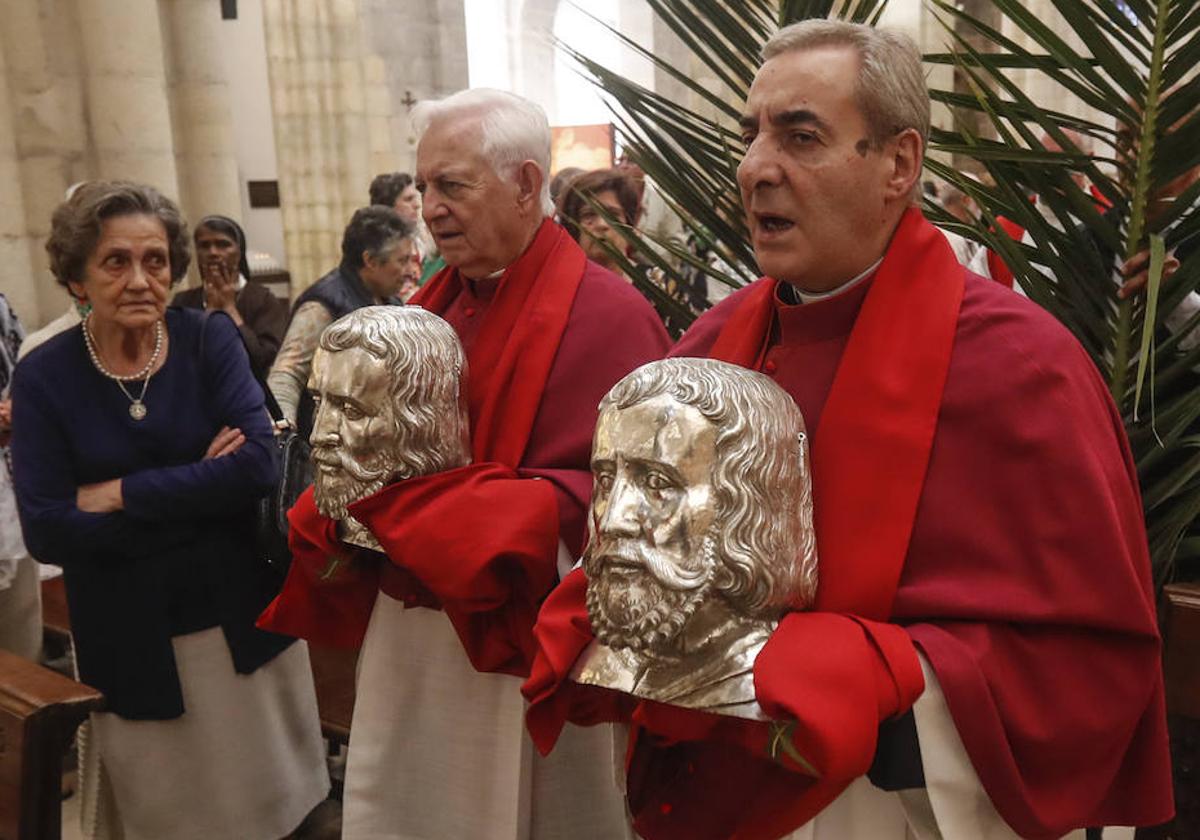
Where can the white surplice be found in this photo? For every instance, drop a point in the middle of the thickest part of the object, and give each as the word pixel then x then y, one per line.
pixel 439 750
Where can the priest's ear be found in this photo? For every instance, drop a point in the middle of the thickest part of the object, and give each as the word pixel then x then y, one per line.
pixel 904 155
pixel 529 186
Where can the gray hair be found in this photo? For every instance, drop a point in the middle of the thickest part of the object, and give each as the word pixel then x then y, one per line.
pixel 513 130
pixel 766 544
pixel 77 223
pixel 428 373
pixel 891 87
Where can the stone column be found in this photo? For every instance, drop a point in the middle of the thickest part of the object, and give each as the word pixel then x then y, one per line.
pixel 20 284
pixel 205 154
pixel 315 62
pixel 127 105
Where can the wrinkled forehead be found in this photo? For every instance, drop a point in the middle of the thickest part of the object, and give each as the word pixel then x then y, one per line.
pixel 455 137
pixel 821 80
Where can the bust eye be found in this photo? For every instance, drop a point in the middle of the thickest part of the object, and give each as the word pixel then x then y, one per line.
pixel 351 411
pixel 658 481
pixel 604 481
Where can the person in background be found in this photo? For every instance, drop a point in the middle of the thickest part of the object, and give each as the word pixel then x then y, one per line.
pixel 397 190
pixel 579 211
pixel 20 593
pixel 224 274
pixel 560 181
pixel 140 448
pixel 378 258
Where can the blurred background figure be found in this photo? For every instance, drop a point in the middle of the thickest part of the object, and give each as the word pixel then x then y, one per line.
pixel 378 260
pixel 578 211
pixel 561 179
pixel 225 275
pixel 20 592
pixel 398 191
pixel 140 447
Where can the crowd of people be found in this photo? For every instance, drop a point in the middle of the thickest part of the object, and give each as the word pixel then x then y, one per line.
pixel 982 657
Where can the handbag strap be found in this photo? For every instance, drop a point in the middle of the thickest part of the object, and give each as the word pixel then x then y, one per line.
pixel 272 404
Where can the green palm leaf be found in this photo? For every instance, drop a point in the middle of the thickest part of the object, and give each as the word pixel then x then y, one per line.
pixel 1131 65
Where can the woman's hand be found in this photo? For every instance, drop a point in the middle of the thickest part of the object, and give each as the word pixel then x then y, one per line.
pixel 5 421
pixel 226 442
pixel 104 497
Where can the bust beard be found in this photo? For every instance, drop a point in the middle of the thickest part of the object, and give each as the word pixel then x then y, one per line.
pixel 334 493
pixel 645 613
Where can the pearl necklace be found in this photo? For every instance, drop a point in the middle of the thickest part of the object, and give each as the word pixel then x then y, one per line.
pixel 137 408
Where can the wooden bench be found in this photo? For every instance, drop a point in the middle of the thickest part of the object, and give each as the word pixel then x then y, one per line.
pixel 333 668
pixel 39 713
pixel 1181 663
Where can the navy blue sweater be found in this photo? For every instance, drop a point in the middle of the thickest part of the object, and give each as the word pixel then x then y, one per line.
pixel 180 556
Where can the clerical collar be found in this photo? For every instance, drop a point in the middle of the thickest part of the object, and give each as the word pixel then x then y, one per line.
pixel 791 294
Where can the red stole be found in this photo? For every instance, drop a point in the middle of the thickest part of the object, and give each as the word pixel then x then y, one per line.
pixel 869 460
pixel 510 360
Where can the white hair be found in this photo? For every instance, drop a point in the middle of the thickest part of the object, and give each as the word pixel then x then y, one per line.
pixel 514 130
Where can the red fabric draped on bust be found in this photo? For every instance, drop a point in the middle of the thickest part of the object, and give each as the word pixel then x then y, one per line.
pixel 501 531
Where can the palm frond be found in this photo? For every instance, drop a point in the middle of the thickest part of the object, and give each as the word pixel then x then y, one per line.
pixel 1131 65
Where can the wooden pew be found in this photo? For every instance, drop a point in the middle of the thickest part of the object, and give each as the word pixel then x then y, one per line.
pixel 39 712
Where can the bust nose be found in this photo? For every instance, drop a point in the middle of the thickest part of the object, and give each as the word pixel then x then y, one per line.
pixel 622 514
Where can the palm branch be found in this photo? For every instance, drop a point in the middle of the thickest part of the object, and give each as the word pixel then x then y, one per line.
pixel 1132 69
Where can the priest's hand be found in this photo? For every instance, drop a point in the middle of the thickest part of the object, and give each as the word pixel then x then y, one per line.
pixel 1136 271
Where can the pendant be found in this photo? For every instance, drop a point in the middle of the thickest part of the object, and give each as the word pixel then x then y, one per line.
pixel 137 410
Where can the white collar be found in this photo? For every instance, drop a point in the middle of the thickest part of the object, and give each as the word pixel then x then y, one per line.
pixel 813 297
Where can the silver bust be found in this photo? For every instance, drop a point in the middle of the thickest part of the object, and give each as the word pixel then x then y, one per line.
pixel 700 533
pixel 389 390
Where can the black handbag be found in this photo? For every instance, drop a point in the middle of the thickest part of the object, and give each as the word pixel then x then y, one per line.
pixel 295 474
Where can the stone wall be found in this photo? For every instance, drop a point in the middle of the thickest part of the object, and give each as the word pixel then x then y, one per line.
pixel 104 89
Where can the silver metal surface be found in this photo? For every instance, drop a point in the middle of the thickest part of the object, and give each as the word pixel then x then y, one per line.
pixel 700 533
pixel 389 389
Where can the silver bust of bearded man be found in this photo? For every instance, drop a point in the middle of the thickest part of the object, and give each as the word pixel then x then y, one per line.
pixel 700 533
pixel 389 391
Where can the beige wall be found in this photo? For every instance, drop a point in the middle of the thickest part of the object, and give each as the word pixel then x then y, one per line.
pixel 104 89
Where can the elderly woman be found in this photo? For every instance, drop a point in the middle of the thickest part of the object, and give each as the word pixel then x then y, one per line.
pixel 378 259
pixel 224 272
pixel 140 445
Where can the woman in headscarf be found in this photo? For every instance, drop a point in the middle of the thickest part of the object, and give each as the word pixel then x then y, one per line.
pixel 224 272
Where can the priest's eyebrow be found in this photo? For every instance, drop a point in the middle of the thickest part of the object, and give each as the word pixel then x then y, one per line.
pixel 786 119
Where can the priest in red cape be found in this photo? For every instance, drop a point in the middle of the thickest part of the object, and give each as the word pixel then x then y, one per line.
pixel 983 657
pixel 437 746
